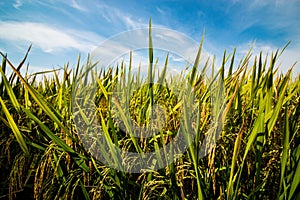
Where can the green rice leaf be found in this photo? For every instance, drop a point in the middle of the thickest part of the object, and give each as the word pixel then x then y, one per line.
pixel 19 137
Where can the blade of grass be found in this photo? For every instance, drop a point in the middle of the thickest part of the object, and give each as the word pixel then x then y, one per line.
pixel 19 137
pixel 20 65
pixel 10 91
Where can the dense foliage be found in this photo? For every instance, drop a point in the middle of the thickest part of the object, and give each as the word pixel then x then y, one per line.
pixel 257 155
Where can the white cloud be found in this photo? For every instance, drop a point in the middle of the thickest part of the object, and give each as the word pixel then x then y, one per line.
pixel 17 4
pixel 76 5
pixel 47 37
pixel 289 58
pixel 162 12
pixel 115 16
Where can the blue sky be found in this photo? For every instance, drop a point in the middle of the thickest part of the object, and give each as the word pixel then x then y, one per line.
pixel 61 30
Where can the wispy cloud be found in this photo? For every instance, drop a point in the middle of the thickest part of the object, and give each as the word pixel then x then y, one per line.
pixel 76 5
pixel 52 4
pixel 48 38
pixel 162 12
pixel 289 58
pixel 274 14
pixel 17 4
pixel 116 16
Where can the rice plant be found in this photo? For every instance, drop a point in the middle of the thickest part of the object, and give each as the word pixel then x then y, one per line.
pixel 256 110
